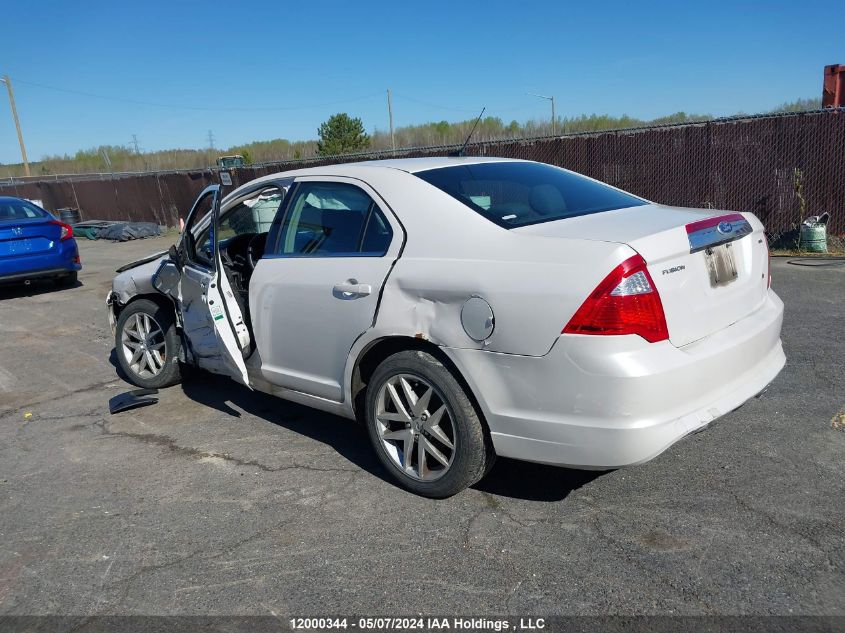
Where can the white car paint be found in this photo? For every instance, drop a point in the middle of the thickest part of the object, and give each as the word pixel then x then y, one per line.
pixel 309 353
pixel 571 399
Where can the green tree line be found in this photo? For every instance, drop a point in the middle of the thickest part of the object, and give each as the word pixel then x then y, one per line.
pixel 118 158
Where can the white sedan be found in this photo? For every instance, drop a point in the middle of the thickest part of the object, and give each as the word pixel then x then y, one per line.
pixel 464 308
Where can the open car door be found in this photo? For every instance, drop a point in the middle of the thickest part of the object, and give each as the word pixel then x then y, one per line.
pixel 193 275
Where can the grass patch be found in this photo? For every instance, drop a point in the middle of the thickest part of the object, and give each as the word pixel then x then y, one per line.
pixel 785 252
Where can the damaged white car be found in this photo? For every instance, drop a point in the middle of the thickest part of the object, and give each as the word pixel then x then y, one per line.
pixel 464 308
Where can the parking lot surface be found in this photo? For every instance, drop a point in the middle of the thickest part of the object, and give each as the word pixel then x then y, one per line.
pixel 219 500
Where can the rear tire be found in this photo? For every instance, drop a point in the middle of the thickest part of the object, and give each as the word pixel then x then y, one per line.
pixel 147 345
pixel 413 401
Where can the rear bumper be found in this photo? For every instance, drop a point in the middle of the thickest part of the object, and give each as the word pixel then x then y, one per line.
pixel 35 274
pixel 603 402
pixel 58 261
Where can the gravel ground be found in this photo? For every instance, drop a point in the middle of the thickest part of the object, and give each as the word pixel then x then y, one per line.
pixel 218 500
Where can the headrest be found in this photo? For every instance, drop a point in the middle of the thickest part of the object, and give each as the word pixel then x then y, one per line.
pixel 547 200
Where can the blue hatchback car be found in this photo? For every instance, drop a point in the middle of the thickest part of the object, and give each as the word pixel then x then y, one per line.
pixel 35 245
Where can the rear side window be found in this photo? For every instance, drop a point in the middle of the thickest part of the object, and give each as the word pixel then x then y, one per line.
pixel 513 194
pixel 331 219
pixel 13 210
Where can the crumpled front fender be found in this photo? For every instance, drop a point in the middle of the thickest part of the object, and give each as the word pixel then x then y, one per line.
pixel 111 299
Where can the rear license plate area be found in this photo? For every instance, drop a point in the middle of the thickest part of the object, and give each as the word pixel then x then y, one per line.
pixel 721 265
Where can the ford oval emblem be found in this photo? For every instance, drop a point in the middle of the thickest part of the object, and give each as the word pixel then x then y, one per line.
pixel 724 227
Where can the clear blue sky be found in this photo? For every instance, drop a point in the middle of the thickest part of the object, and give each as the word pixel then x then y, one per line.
pixel 261 70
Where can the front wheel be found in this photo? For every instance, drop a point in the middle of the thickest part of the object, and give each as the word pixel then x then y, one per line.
pixel 147 345
pixel 423 426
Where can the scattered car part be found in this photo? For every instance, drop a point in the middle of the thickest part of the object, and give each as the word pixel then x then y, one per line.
pixel 132 400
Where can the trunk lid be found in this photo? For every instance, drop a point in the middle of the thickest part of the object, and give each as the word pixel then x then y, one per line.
pixel 710 267
pixel 29 236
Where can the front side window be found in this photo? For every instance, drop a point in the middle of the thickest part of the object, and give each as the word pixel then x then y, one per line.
pixel 331 219
pixel 249 217
pixel 513 194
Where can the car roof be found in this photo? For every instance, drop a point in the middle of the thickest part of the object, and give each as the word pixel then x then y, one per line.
pixel 413 165
pixel 408 165
pixel 359 169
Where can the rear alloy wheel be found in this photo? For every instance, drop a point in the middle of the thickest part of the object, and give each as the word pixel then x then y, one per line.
pixel 422 444
pixel 424 427
pixel 147 345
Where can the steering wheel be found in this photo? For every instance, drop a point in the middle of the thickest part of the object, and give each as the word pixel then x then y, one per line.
pixel 255 249
pixel 233 252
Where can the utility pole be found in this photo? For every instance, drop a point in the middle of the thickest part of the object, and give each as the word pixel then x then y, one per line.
pixel 390 114
pixel 135 143
pixel 210 140
pixel 8 83
pixel 554 116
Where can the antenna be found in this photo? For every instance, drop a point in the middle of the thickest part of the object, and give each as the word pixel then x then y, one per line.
pixel 460 152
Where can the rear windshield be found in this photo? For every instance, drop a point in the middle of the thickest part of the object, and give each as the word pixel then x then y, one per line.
pixel 13 210
pixel 513 194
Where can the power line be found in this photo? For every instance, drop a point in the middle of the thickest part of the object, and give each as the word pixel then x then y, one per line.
pixel 199 108
pixel 210 140
pixel 257 109
pixel 434 105
pixel 135 143
pixel 454 109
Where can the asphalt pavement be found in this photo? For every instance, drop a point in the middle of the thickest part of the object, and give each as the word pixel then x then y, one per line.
pixel 218 500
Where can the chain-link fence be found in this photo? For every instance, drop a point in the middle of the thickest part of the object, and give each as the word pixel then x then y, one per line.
pixel 749 163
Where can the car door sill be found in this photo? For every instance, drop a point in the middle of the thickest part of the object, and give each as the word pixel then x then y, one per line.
pixel 302 382
pixel 343 409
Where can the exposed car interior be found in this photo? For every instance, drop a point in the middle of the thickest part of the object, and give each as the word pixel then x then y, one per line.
pixel 513 194
pixel 323 219
pixel 19 210
pixel 242 234
pixel 332 219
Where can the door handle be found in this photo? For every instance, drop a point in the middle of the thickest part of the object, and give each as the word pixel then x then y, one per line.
pixel 352 287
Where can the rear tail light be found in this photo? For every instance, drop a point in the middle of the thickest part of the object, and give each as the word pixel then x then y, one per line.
pixel 67 230
pixel 626 302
